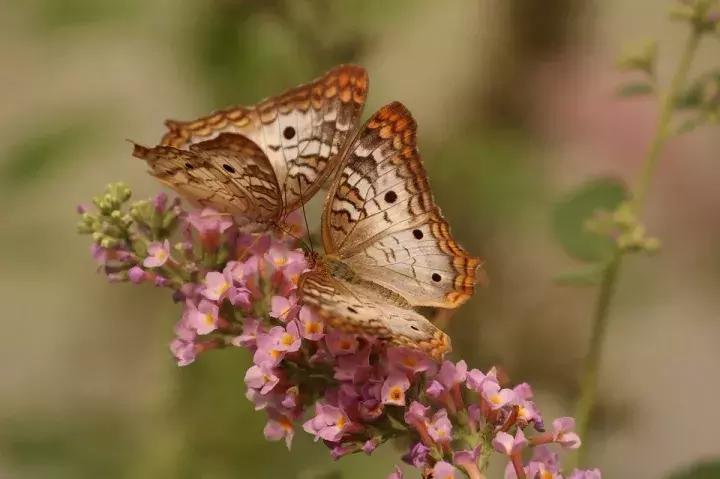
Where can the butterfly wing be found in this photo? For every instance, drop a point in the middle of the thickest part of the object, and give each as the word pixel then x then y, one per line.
pixel 380 217
pixel 357 309
pixel 301 130
pixel 229 173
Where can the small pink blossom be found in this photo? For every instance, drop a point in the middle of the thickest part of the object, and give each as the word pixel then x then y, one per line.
pixel 136 275
pixel 340 343
pixel 443 470
pixel 158 254
pixel 440 427
pixel 262 377
pixel 248 338
pixel 209 221
pixel 216 286
pixel 393 389
pixel 476 379
pixel 563 435
pixel 410 360
pixel 496 397
pixel 204 317
pixel 279 427
pixel 311 327
pixel 282 309
pixel 329 423
pixel 504 443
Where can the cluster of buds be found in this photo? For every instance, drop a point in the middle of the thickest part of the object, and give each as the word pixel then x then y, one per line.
pixel 623 226
pixel 350 391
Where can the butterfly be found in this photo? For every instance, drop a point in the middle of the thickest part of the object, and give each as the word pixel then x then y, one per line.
pixel 260 163
pixel 387 246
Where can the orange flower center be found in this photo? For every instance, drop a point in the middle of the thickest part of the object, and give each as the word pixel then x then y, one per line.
pixel 312 328
pixel 396 393
pixel 287 339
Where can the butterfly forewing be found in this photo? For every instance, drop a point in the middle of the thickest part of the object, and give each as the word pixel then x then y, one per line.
pixel 229 173
pixel 380 217
pixel 300 131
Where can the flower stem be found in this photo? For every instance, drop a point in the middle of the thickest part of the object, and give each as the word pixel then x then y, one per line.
pixel 663 129
pixel 593 358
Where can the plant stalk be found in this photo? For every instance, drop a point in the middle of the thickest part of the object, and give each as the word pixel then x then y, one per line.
pixel 593 358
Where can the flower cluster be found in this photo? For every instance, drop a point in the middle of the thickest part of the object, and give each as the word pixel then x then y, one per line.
pixel 352 392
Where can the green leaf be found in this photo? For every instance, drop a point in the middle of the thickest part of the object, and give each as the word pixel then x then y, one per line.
pixel 570 216
pixel 635 89
pixel 587 276
pixel 708 469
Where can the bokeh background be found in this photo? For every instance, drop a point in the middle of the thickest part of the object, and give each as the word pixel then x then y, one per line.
pixel 516 107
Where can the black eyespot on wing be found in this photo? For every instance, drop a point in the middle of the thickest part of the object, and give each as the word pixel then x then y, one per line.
pixel 390 196
pixel 418 234
pixel 436 277
pixel 414 328
pixel 189 166
pixel 289 132
pixel 352 310
pixel 228 168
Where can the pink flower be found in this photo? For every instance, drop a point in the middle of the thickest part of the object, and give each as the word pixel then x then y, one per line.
pixel 267 349
pixel 476 379
pixel 562 433
pixel 279 427
pixel 216 286
pixel 443 470
pixel 261 377
pixel 286 340
pixel 329 423
pixel 393 389
pixel 497 398
pixel 410 360
pixel 440 427
pixel 235 272
pixel 398 474
pixel 248 338
pixel 282 309
pixel 240 297
pixel 183 350
pixel 281 257
pixel 209 221
pixel 340 343
pixel 504 443
pixel 136 275
pixel 311 327
pixel 451 374
pixel 354 367
pixel 204 317
pixel 416 413
pixel 158 254
pixel 587 474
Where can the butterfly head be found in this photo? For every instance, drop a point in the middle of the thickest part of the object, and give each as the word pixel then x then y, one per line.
pixel 311 257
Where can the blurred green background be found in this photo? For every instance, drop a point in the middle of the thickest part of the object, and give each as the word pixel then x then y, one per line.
pixel 516 107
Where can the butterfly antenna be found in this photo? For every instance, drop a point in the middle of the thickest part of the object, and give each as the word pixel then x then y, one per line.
pixel 307 226
pixel 257 238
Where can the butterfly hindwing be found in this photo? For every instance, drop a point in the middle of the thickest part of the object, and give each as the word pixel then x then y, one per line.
pixel 300 130
pixel 229 173
pixel 380 217
pixel 355 308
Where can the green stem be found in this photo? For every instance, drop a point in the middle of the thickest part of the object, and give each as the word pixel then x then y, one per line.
pixel 593 358
pixel 663 129
pixel 588 388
